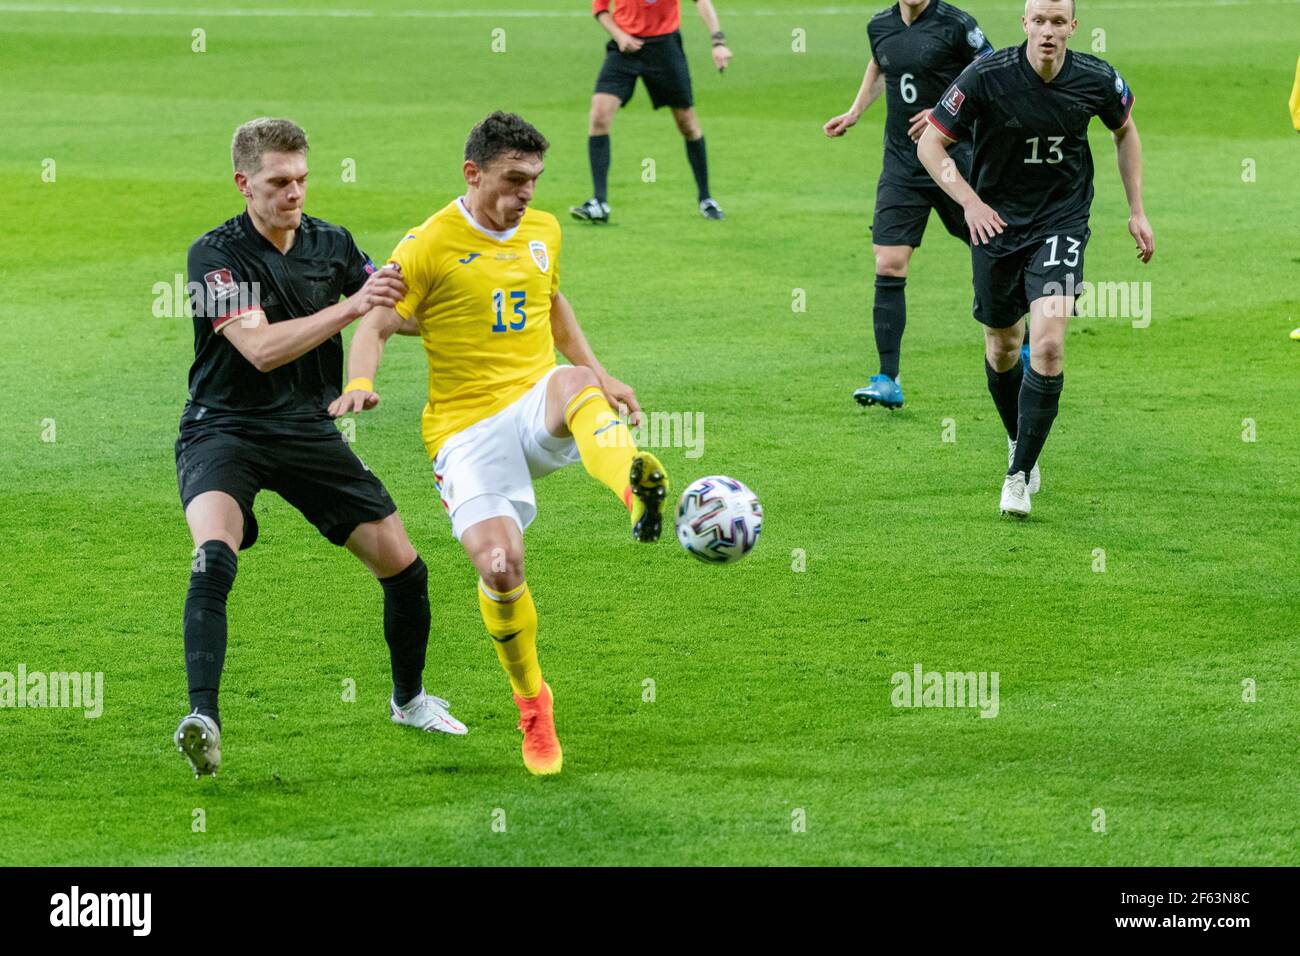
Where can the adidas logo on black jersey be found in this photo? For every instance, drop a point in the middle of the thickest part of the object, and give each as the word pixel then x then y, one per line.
pixel 1013 123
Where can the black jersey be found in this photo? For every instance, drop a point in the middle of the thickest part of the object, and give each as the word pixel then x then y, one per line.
pixel 1032 163
pixel 919 63
pixel 235 271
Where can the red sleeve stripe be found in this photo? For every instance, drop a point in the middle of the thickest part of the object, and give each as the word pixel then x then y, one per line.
pixel 221 322
pixel 940 127
pixel 1131 100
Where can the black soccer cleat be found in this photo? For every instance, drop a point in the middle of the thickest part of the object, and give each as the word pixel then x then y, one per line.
pixel 593 210
pixel 649 484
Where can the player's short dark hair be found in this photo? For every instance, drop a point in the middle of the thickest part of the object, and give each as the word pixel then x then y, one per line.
pixel 265 135
pixel 501 133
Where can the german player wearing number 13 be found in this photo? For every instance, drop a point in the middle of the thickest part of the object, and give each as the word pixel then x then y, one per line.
pixel 1027 110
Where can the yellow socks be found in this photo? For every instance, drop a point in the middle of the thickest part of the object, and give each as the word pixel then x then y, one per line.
pixel 511 619
pixel 603 441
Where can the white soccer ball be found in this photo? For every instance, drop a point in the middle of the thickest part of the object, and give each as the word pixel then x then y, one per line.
pixel 718 519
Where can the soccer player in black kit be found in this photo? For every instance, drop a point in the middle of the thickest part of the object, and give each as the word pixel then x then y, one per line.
pixel 918 47
pixel 1027 110
pixel 268 360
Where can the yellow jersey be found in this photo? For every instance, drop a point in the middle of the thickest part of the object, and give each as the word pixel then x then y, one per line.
pixel 482 300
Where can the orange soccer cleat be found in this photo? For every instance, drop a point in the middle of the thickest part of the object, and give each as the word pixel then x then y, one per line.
pixel 542 754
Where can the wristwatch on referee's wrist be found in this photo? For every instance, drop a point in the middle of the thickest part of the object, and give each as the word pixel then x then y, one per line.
pixel 719 38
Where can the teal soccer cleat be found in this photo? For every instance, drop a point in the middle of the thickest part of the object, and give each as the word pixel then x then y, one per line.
pixel 883 390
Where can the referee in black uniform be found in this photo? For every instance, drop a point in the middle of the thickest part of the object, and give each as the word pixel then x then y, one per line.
pixel 1027 110
pixel 268 359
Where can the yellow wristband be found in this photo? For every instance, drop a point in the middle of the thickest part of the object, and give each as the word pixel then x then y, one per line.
pixel 359 385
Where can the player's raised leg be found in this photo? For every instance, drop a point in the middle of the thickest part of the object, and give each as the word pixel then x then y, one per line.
pixel 496 546
pixel 889 319
pixel 576 405
pixel 603 108
pixel 216 525
pixel 384 548
pixel 688 124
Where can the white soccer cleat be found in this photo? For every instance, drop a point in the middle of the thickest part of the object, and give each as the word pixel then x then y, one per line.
pixel 199 739
pixel 1035 479
pixel 427 713
pixel 1015 496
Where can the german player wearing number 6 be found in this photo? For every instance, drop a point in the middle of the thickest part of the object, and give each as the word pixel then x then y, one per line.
pixel 918 47
pixel 483 279
pixel 268 360
pixel 1027 109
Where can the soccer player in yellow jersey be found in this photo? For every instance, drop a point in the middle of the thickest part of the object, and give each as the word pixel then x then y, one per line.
pixel 483 280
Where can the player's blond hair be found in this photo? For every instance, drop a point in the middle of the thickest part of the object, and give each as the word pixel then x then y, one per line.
pixel 1074 9
pixel 264 135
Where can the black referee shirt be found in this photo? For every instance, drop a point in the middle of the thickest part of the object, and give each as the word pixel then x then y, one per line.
pixel 919 62
pixel 1032 162
pixel 234 271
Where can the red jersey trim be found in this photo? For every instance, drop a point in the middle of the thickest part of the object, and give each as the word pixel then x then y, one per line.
pixel 940 127
pixel 220 323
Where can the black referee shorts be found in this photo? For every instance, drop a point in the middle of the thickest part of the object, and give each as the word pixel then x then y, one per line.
pixel 309 465
pixel 661 64
pixel 903 211
pixel 1007 282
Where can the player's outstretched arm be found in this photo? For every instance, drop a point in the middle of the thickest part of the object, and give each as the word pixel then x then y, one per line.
pixel 721 53
pixel 982 221
pixel 269 345
pixel 572 344
pixel 1128 151
pixel 873 84
pixel 364 354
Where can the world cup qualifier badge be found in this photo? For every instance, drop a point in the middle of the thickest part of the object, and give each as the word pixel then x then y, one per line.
pixel 540 255
pixel 220 283
pixel 953 100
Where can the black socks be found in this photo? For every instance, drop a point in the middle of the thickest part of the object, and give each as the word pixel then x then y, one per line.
pixel 889 315
pixel 406 628
pixel 1040 395
pixel 598 154
pixel 699 166
pixel 1005 389
pixel 211 578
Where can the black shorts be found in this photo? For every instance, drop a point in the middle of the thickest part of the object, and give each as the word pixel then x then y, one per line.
pixel 661 64
pixel 903 211
pixel 1005 283
pixel 308 465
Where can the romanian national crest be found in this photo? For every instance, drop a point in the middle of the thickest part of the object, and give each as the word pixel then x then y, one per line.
pixel 540 255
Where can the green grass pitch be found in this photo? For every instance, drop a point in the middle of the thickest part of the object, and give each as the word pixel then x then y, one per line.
pixel 771 738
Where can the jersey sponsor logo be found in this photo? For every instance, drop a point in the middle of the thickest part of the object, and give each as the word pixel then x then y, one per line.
pixel 976 38
pixel 953 100
pixel 469 258
pixel 221 284
pixel 540 255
